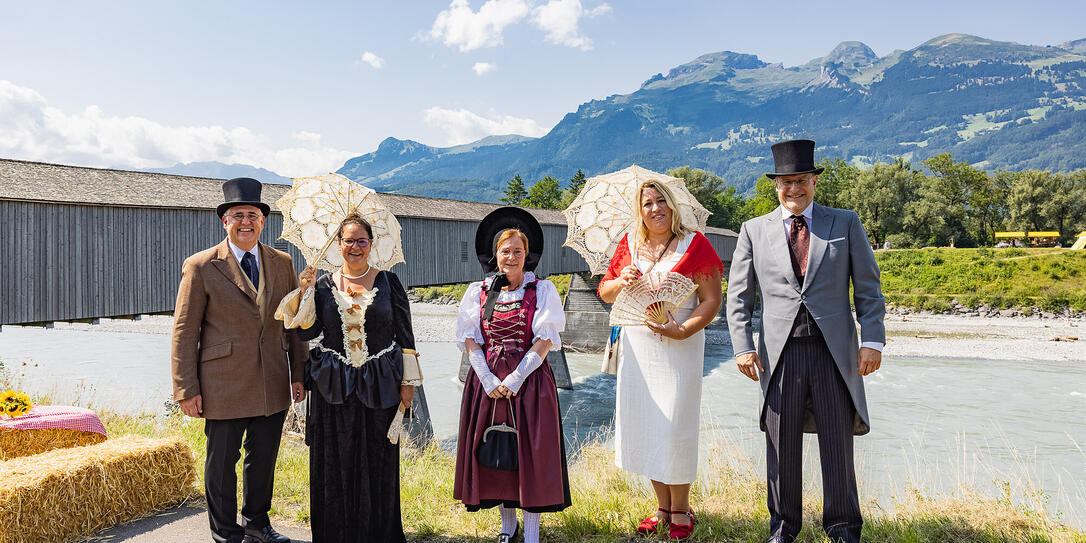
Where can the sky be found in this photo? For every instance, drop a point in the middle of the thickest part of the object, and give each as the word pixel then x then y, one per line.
pixel 300 87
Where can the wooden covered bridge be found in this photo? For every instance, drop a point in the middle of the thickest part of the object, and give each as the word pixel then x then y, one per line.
pixel 83 243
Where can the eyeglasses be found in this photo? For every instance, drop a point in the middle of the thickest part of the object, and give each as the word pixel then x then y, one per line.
pixel 789 183
pixel 238 217
pixel 360 242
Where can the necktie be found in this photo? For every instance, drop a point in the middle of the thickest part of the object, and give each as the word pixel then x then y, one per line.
pixel 248 263
pixel 799 241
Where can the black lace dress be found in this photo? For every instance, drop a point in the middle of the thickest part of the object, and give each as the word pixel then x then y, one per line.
pixel 354 376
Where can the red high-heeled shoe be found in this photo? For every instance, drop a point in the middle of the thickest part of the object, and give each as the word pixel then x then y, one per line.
pixel 650 524
pixel 681 531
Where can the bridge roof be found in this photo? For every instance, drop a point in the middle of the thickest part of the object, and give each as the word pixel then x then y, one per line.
pixel 57 183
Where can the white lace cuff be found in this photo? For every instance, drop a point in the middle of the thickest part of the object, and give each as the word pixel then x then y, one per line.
pixel 528 364
pixel 307 310
pixel 478 363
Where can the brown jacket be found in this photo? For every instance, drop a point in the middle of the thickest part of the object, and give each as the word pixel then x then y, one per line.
pixel 227 346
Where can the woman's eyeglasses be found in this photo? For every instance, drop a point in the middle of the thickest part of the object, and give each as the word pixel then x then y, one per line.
pixel 360 242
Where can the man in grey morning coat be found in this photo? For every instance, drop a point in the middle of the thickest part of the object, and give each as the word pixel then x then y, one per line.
pixel 801 258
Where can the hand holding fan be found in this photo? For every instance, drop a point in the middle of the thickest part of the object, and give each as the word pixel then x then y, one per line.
pixel 650 298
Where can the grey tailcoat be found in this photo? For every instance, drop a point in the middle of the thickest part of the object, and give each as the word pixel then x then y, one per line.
pixel 839 254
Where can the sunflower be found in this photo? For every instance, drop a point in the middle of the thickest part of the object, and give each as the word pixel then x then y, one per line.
pixel 14 403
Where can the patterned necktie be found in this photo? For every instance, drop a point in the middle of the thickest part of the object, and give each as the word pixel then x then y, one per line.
pixel 248 263
pixel 799 240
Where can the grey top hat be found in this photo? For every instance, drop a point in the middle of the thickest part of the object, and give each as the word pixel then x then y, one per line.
pixel 242 191
pixel 793 157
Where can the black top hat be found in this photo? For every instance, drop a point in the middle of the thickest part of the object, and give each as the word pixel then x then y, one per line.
pixel 241 191
pixel 502 219
pixel 793 157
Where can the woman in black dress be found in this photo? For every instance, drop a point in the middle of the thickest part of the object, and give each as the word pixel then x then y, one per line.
pixel 357 373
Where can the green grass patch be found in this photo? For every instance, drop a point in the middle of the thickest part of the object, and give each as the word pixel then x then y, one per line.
pixel 729 500
pixel 456 291
pixel 1050 279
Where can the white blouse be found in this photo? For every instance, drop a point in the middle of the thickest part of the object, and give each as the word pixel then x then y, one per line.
pixel 548 322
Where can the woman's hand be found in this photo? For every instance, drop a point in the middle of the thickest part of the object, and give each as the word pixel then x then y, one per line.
pixel 670 329
pixel 629 274
pixel 497 392
pixel 307 277
pixel 407 395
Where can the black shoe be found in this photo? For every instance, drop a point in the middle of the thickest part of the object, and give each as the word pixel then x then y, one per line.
pixel 266 534
pixel 507 538
pixel 775 539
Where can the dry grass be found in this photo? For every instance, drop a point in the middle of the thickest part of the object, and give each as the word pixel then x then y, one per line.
pixel 16 443
pixel 59 495
pixel 729 500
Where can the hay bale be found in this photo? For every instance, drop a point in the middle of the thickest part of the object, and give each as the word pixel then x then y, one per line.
pixel 65 493
pixel 16 443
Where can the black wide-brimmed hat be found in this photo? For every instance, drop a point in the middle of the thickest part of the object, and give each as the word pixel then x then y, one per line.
pixel 793 157
pixel 502 219
pixel 241 191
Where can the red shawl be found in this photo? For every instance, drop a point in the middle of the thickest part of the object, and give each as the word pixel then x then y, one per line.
pixel 700 260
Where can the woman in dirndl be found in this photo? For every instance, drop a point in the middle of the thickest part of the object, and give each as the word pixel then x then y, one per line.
pixel 363 373
pixel 507 324
pixel 658 401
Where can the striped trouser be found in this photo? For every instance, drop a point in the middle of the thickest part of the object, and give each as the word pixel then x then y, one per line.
pixel 807 379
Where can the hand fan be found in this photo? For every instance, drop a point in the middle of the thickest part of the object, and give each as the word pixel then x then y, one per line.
pixel 650 298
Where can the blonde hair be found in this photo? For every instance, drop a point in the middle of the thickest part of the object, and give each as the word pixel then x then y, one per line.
pixel 509 233
pixel 677 227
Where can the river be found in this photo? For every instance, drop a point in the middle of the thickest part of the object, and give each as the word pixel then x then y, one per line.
pixel 938 424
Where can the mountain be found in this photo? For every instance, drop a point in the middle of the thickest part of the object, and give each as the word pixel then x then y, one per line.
pixel 995 104
pixel 218 170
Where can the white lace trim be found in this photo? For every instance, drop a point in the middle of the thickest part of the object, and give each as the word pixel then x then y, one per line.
pixel 352 312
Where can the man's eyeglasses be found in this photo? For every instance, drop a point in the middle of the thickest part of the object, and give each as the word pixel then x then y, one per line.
pixel 789 183
pixel 360 242
pixel 238 217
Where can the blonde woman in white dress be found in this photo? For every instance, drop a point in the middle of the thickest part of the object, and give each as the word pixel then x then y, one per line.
pixel 660 365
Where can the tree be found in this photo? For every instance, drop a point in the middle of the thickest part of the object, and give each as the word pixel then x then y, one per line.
pixel 514 191
pixel 576 183
pixel 729 209
pixel 705 187
pixel 764 200
pixel 1027 195
pixel 834 181
pixel 967 192
pixel 879 196
pixel 545 193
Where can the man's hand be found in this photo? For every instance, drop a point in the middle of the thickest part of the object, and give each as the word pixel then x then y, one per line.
pixel 297 392
pixel 749 364
pixel 407 395
pixel 868 361
pixel 193 407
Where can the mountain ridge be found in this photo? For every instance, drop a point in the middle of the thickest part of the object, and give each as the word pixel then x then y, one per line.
pixel 996 104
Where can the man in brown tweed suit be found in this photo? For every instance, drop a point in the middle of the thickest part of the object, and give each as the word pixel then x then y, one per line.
pixel 234 365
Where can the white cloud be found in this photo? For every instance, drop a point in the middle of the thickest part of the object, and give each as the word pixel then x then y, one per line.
pixel 31 129
pixel 373 60
pixel 463 126
pixel 481 68
pixel 560 22
pixel 460 27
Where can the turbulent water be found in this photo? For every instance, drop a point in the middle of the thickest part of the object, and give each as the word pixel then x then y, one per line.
pixel 937 424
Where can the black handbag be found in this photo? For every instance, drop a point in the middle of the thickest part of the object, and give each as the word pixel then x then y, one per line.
pixel 498 449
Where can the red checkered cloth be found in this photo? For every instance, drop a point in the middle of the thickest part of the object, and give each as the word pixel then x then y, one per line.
pixel 45 417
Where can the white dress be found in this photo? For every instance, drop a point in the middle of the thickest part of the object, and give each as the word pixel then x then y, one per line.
pixel 659 394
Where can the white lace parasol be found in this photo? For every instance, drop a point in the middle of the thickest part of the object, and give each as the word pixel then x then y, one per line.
pixel 604 210
pixel 314 208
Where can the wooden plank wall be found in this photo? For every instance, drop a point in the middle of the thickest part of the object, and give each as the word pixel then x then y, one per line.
pixel 66 262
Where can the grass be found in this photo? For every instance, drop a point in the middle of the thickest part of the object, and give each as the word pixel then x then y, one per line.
pixel 1047 279
pixel 729 499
